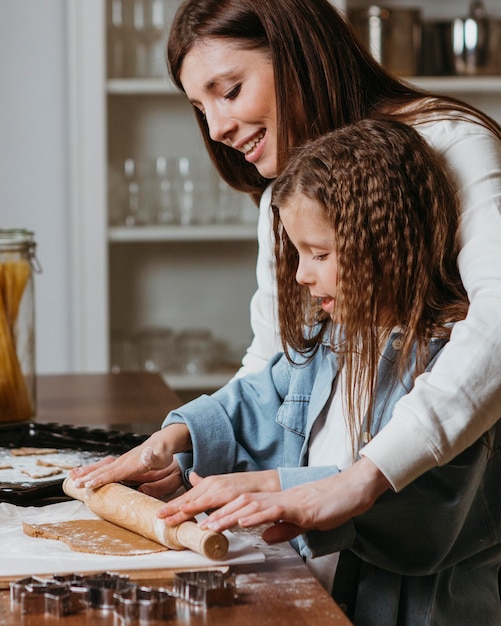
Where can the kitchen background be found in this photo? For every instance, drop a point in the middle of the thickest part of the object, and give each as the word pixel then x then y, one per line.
pixel 140 246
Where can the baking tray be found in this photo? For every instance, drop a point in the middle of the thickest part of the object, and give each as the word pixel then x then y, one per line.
pixel 62 437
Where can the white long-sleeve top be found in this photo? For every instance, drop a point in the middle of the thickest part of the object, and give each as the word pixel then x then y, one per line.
pixel 455 403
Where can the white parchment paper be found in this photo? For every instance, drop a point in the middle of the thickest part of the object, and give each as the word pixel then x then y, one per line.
pixel 21 555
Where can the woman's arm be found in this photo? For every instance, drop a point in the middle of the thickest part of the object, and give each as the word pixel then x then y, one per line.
pixel 460 399
pixel 426 527
pixel 214 491
pixel 321 504
pixel 219 490
pixel 263 310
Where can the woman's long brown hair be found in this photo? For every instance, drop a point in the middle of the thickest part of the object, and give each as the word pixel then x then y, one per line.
pixel 324 76
pixel 394 214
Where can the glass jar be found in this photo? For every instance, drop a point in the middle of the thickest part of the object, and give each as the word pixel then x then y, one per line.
pixel 195 348
pixel 17 326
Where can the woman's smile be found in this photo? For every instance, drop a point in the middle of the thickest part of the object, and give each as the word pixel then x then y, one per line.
pixel 250 147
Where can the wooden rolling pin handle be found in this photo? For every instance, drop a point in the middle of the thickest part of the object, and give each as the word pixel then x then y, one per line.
pixel 214 545
pixel 137 511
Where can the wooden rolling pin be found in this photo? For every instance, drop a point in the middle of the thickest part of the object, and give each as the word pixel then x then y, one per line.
pixel 137 511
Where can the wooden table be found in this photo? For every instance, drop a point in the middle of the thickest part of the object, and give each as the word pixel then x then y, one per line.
pixel 134 401
pixel 279 591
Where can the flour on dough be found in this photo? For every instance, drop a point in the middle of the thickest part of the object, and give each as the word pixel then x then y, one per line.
pixel 95 536
pixel 42 473
pixel 60 464
pixel 24 451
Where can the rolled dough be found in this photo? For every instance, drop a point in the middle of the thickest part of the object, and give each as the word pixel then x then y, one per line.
pixel 42 473
pixel 95 536
pixel 31 451
pixel 60 464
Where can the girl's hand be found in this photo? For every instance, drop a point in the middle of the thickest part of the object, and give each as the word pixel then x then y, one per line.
pixel 319 505
pixel 214 491
pixel 150 462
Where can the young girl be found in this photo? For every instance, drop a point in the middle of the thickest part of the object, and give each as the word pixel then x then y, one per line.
pixel 366 226
pixel 264 76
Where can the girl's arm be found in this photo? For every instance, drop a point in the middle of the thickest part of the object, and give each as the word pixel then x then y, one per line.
pixel 234 429
pixel 147 462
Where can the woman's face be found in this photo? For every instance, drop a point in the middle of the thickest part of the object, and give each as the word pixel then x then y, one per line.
pixel 235 90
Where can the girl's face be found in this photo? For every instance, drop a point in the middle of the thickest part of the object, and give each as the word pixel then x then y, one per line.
pixel 313 238
pixel 235 91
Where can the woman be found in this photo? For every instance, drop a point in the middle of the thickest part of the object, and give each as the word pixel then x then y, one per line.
pixel 264 76
pixel 366 223
pixel 307 75
pixel 366 230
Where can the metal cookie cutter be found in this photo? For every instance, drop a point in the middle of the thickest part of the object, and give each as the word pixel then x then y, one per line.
pixel 144 604
pixel 63 595
pixel 102 588
pixel 204 588
pixel 64 600
pixel 34 595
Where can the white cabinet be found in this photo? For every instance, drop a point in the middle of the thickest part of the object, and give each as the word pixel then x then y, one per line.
pixel 196 272
pixel 173 275
pixel 130 278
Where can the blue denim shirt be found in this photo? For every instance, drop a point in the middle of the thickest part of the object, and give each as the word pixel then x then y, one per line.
pixel 264 420
pixel 440 526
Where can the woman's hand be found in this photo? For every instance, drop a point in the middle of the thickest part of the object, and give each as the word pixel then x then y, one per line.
pixel 320 505
pixel 214 491
pixel 151 462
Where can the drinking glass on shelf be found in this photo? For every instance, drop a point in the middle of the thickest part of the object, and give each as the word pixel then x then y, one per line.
pixel 134 210
pixel 195 350
pixel 157 39
pixel 162 197
pixel 126 193
pixel 185 187
pixel 123 357
pixel 156 349
pixel 195 184
pixel 115 45
pixel 136 16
